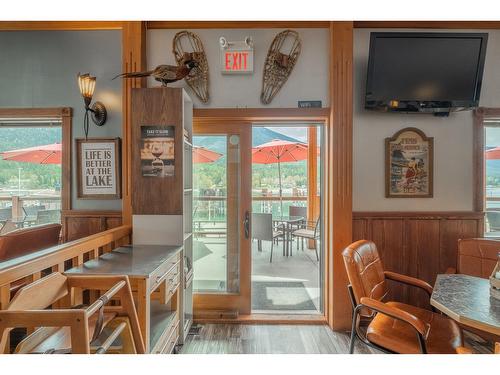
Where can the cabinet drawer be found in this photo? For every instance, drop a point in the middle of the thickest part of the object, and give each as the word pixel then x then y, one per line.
pixel 171 341
pixel 165 271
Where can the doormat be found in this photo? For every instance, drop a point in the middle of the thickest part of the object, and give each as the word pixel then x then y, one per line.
pixel 282 295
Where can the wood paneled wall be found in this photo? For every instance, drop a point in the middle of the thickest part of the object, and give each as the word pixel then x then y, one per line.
pixel 81 223
pixel 419 244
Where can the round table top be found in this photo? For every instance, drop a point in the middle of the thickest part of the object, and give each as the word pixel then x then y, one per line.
pixel 467 300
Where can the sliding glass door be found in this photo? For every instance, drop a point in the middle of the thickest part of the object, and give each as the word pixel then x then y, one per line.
pixel 221 217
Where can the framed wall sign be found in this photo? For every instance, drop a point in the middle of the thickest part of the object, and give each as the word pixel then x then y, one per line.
pixel 409 164
pixel 157 151
pixel 98 168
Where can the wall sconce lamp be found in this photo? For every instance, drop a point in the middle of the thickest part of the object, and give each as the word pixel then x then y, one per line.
pixel 86 83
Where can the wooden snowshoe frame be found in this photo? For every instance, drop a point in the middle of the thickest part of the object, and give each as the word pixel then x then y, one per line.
pixel 198 78
pixel 279 64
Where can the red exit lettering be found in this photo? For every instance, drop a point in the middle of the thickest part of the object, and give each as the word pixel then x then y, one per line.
pixel 236 61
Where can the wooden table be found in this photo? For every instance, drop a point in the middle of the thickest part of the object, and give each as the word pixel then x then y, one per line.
pixel 466 299
pixel 151 269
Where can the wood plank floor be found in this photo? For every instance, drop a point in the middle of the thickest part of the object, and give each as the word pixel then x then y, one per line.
pixel 268 339
pixel 283 339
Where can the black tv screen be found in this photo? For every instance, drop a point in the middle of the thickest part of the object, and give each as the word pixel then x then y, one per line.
pixel 425 72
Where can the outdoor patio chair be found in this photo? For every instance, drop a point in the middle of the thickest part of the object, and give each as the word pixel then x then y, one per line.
pixel 298 211
pixel 5 214
pixel 493 218
pixel 262 230
pixel 309 231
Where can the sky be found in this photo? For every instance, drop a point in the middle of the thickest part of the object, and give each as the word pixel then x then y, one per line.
pixel 492 136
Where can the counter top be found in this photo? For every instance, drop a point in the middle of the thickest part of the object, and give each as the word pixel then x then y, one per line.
pixel 133 261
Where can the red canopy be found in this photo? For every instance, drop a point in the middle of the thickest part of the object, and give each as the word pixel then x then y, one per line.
pixel 492 154
pixel 204 155
pixel 45 154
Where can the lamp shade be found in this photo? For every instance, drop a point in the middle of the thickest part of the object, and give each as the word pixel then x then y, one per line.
pixel 86 83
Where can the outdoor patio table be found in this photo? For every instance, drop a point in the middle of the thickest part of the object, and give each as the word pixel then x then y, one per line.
pixel 288 221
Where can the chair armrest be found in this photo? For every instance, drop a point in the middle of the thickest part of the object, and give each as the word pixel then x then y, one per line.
pixel 409 281
pixel 395 313
pixel 451 271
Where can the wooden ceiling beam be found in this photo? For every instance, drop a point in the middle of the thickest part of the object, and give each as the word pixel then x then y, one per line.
pixel 60 25
pixel 236 24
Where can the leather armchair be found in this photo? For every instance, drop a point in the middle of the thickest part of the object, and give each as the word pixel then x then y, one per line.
pixel 393 327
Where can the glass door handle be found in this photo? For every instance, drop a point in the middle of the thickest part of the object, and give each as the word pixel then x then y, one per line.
pixel 246 224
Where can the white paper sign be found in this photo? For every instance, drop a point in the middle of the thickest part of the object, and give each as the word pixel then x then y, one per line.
pixel 98 168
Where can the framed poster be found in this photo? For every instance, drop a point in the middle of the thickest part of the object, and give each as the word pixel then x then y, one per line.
pixel 98 168
pixel 409 164
pixel 157 151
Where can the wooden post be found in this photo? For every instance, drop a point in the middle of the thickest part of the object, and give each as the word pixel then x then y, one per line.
pixel 338 228
pixel 312 178
pixel 17 207
pixel 134 60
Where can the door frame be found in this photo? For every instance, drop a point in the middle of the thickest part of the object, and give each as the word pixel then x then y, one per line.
pixel 236 303
pixel 247 117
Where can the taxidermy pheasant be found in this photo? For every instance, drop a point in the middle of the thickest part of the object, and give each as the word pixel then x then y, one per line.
pixel 167 73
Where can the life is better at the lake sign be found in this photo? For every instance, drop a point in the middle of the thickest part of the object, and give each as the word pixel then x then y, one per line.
pixel 236 57
pixel 98 168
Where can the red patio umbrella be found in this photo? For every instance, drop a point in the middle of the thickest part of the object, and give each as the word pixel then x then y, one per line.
pixel 492 154
pixel 279 151
pixel 204 155
pixel 45 154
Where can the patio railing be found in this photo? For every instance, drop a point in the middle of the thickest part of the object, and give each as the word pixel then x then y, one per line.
pixel 209 215
pixel 30 209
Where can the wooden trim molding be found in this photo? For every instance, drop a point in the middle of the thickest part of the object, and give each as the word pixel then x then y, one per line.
pixel 427 24
pixel 236 24
pixel 338 213
pixel 252 115
pixel 134 59
pixel 60 25
pixel 65 114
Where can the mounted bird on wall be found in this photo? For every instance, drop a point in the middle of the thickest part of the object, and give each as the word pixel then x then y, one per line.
pixel 167 73
pixel 186 41
pixel 279 64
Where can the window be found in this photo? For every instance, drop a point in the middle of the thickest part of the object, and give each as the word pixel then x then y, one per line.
pixel 487 168
pixel 33 183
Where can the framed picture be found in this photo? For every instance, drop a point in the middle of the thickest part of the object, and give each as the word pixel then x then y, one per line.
pixel 98 168
pixel 409 164
pixel 157 151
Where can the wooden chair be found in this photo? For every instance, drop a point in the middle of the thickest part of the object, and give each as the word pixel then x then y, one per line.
pixel 463 350
pixel 392 327
pixel 77 330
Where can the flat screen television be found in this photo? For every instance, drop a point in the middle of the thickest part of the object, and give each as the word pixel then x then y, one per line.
pixel 425 72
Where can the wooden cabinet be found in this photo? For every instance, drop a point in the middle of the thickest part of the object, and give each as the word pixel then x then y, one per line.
pixel 162 204
pixel 155 276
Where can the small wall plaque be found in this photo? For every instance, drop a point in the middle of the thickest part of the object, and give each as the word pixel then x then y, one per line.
pixel 310 104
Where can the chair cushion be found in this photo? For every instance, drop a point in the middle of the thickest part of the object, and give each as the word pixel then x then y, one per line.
pixel 306 233
pixel 444 335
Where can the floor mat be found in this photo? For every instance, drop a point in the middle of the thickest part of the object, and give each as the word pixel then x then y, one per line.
pixel 283 295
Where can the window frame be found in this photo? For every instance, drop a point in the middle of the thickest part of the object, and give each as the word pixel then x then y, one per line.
pixel 65 114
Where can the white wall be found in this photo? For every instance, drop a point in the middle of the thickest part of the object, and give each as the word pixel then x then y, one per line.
pixel 453 141
pixel 308 81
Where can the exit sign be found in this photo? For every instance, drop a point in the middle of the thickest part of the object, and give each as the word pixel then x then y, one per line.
pixel 236 57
